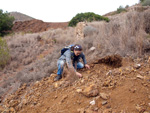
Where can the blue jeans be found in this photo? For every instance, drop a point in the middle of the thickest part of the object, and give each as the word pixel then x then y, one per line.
pixel 60 65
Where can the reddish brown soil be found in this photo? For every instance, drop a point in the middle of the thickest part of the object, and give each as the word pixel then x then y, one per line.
pixel 34 26
pixel 125 89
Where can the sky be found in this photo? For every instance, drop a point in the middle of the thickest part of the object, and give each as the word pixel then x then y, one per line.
pixel 62 10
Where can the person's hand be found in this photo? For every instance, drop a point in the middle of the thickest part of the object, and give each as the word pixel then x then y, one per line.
pixel 79 74
pixel 87 66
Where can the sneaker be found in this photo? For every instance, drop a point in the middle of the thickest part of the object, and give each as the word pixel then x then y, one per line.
pixel 58 77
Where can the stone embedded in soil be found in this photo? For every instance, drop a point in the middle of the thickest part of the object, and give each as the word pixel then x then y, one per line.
pixel 59 84
pixel 140 109
pixel 64 98
pixel 90 91
pixel 109 73
pixel 104 102
pixel 82 80
pixel 24 101
pixel 13 103
pixel 92 102
pixel 104 96
pixel 95 109
pixel 79 90
pixel 139 76
pixel 106 83
pixel 92 48
pixel 36 83
pixel 78 102
pixel 56 85
pixel 137 66
pixel 81 110
pixel 133 90
pixel 12 110
pixel 55 97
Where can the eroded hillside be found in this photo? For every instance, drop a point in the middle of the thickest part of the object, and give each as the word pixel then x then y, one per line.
pixel 105 88
pixel 115 83
pixel 34 26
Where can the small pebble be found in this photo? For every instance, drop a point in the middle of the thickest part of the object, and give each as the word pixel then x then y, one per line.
pixel 104 102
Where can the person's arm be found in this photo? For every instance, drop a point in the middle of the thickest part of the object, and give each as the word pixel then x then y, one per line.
pixel 83 58
pixel 69 63
pixel 84 61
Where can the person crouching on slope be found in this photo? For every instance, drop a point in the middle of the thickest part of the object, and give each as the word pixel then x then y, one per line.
pixel 71 57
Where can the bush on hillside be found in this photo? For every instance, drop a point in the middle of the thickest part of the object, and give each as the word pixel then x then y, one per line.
pixel 141 0
pixel 4 53
pixel 146 2
pixel 121 9
pixel 6 22
pixel 89 17
pixel 127 6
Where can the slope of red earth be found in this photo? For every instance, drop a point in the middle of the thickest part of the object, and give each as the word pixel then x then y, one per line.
pixel 112 85
pixel 35 26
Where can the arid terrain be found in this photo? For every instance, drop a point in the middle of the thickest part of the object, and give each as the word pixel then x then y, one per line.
pixel 34 26
pixel 27 24
pixel 118 53
pixel 104 88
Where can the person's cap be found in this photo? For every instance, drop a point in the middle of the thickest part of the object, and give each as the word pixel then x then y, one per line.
pixel 77 47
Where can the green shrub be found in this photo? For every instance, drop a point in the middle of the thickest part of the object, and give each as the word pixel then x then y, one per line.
pixel 121 9
pixel 146 2
pixel 4 53
pixel 6 22
pixel 80 17
pixel 127 6
pixel 141 1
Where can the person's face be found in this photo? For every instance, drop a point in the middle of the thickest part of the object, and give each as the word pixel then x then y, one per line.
pixel 77 53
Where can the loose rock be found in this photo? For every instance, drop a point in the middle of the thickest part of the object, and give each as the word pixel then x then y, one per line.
pixel 92 102
pixel 104 96
pixel 63 99
pixel 12 110
pixel 92 48
pixel 91 91
pixel 137 66
pixel 104 102
pixel 140 109
pixel 79 90
pixel 139 76
pixel 81 110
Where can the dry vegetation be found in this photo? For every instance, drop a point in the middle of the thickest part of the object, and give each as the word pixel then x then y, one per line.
pixel 125 34
pixel 34 56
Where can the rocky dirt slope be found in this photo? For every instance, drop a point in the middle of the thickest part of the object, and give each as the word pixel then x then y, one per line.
pixel 34 26
pixel 31 57
pixel 112 85
pixel 109 86
pixel 25 23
